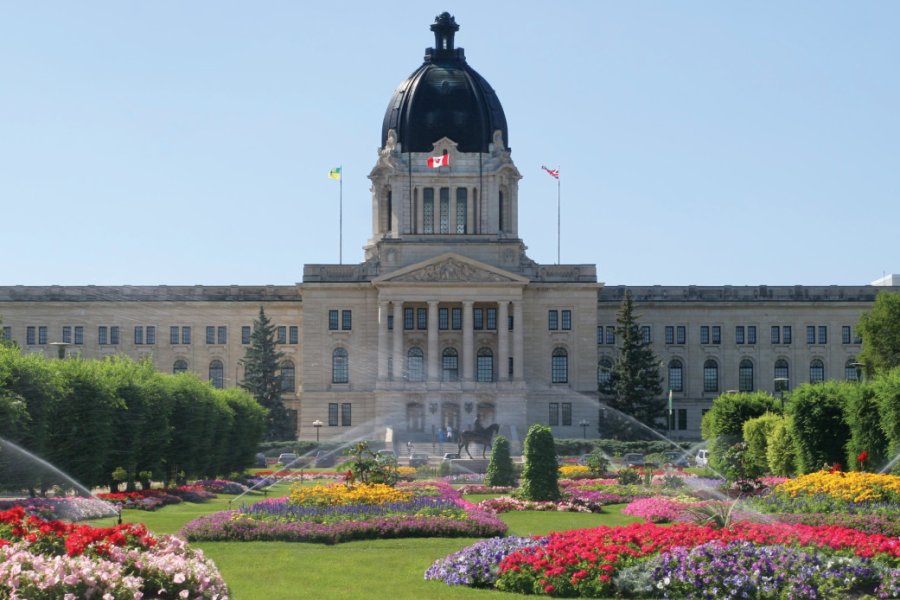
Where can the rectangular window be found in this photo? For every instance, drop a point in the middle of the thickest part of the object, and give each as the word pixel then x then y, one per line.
pixel 7 332
pixel 751 334
pixel 566 320
pixel 281 334
pixel 332 414
pixel 409 318
pixel 670 334
pixel 567 414
pixel 445 210
pixel 810 334
pixel 681 335
pixel 599 334
pixel 509 322
pixel 776 334
pixel 332 320
pixel 245 334
pixel 210 334
pixel 30 338
pixel 173 334
pixel 676 377
pixel 222 334
pixel 428 210
pixel 114 335
pixel 704 334
pixel 552 320
pixel 554 414
pixel 682 419
pixel 42 334
pixel 422 318
pixel 138 335
pixel 845 334
pixel 443 319
pixel 390 319
pixel 346 414
pixel 510 366
pixel 786 330
pixel 67 334
pixel 293 334
pixel 186 335
pixel 103 335
pixel 151 335
pixel 716 334
pixel 478 318
pixel 739 334
pixel 79 335
pixel 610 335
pixel 461 209
pixel 823 334
pixel 645 335
pixel 492 319
pixel 456 318
pixel 346 320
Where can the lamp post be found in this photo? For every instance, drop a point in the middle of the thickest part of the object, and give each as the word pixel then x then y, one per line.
pixel 584 424
pixel 318 425
pixel 781 384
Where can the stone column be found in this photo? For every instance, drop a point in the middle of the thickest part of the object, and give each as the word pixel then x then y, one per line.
pixel 382 341
pixel 503 340
pixel 397 349
pixel 518 341
pixel 433 359
pixel 468 345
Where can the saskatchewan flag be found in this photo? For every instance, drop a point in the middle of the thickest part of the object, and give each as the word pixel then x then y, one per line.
pixel 335 173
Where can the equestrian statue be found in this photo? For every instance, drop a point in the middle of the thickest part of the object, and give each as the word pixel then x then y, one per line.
pixel 478 434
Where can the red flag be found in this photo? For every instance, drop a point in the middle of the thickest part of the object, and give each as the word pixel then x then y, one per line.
pixel 439 161
pixel 553 172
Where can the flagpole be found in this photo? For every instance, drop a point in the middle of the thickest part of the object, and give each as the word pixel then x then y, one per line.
pixel 341 216
pixel 558 217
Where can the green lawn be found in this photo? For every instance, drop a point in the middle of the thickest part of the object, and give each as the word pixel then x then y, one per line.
pixel 390 569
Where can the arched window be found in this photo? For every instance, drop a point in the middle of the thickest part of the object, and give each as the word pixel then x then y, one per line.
pixel 180 366
pixel 415 416
pixel 604 371
pixel 559 366
pixel 217 374
pixel 782 375
pixel 450 364
pixel 816 371
pixel 484 365
pixel 852 369
pixel 340 366
pixel 287 376
pixel 745 376
pixel 676 375
pixel 710 376
pixel 415 364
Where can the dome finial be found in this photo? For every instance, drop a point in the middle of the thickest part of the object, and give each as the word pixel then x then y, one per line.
pixel 444 28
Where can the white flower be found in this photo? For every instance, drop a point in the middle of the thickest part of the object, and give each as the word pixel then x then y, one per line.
pixel 179 577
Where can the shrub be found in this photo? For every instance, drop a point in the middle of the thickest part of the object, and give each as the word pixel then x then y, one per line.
pixel 780 454
pixel 819 430
pixel 500 471
pixel 723 425
pixel 756 435
pixel 887 393
pixel 597 463
pixel 866 433
pixel 540 477
pixel 629 476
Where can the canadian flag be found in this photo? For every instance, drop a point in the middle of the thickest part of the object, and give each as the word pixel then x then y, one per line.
pixel 439 161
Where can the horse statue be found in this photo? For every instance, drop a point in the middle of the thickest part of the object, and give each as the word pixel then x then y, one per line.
pixel 482 437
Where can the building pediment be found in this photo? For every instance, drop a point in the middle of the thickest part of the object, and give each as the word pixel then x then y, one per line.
pixel 451 268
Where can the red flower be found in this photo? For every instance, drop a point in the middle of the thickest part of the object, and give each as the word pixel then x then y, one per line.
pixel 862 457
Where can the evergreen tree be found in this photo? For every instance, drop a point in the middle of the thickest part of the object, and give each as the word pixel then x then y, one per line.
pixel 540 476
pixel 500 471
pixel 262 378
pixel 634 386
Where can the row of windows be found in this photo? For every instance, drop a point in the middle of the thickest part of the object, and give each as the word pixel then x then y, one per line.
pixel 559 320
pixel 346 414
pixel 217 373
pixel 743 334
pixel 342 318
pixel 745 374
pixel 146 334
pixel 462 195
pixel 555 414
pixel 449 319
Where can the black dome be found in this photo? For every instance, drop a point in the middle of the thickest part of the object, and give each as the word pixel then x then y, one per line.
pixel 444 97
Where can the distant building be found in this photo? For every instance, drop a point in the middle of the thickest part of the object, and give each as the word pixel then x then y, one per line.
pixel 448 319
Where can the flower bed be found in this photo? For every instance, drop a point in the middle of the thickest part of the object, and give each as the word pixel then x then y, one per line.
pixel 836 491
pixel 156 498
pixel 69 508
pixel 609 561
pixel 507 503
pixel 221 486
pixel 423 510
pixel 52 559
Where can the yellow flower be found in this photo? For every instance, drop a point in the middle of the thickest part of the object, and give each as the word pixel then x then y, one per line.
pixel 339 494
pixel 854 486
pixel 570 471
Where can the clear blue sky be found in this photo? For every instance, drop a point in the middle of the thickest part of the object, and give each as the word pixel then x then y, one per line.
pixel 700 143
